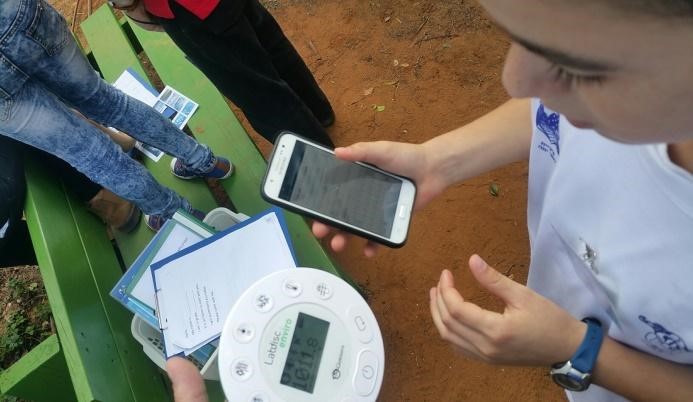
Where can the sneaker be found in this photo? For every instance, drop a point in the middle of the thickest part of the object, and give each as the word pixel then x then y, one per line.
pixel 222 169
pixel 156 222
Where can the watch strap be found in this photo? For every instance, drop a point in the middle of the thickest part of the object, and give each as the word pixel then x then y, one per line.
pixel 585 357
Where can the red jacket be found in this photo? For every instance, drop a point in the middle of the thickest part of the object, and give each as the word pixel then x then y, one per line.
pixel 201 8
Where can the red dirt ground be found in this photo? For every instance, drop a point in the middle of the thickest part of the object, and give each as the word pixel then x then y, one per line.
pixel 434 65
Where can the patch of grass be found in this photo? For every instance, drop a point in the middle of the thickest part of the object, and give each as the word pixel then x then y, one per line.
pixel 27 318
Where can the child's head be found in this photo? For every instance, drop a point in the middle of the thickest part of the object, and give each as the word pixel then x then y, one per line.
pixel 622 67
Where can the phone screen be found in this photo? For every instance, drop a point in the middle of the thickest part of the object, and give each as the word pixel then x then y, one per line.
pixel 348 192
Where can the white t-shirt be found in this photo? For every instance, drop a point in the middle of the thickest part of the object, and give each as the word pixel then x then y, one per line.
pixel 611 232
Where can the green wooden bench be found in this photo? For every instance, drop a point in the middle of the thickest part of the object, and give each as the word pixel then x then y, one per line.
pixel 93 357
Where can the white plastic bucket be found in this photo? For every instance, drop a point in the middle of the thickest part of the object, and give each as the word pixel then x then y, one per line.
pixel 222 218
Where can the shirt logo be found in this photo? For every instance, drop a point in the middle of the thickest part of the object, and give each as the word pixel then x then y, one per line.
pixel 662 340
pixel 547 123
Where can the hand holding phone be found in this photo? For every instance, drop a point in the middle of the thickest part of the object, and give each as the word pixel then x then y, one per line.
pixel 306 178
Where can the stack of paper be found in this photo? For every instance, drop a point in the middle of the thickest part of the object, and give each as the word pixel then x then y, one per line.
pixel 196 287
pixel 135 290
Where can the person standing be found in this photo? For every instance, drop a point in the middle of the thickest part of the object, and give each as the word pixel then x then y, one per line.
pixel 240 47
pixel 44 75
pixel 603 96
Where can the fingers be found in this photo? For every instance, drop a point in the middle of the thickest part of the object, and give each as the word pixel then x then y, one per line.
pixel 370 249
pixel 508 290
pixel 338 242
pixel 449 334
pixel 467 314
pixel 187 382
pixel 320 230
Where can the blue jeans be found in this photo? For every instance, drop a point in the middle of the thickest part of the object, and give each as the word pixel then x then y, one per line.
pixel 43 74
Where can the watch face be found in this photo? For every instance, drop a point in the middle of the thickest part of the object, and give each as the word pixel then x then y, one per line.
pixel 570 383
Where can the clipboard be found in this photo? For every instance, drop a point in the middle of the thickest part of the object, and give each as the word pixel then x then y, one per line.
pixel 123 290
pixel 196 287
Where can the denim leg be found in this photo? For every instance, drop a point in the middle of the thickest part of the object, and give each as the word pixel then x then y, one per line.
pixel 81 87
pixel 41 69
pixel 111 107
pixel 43 48
pixel 40 119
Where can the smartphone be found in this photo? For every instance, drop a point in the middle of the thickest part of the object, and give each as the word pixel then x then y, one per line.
pixel 308 179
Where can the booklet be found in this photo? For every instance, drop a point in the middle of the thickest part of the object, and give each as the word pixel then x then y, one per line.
pixel 176 106
pixel 196 287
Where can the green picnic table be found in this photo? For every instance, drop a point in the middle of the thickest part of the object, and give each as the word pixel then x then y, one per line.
pixel 93 356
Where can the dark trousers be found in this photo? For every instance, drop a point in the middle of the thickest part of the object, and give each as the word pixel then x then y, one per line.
pixel 243 51
pixel 15 245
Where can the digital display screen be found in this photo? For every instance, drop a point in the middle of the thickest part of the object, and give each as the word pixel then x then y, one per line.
pixel 342 190
pixel 305 353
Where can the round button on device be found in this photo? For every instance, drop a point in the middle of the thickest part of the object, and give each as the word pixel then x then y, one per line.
pixel 357 318
pixel 323 290
pixel 263 303
pixel 244 333
pixel 365 376
pixel 292 288
pixel 241 370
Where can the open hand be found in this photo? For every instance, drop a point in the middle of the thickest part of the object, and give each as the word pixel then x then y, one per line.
pixel 531 331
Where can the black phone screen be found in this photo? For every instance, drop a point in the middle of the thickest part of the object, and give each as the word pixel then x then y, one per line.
pixel 345 191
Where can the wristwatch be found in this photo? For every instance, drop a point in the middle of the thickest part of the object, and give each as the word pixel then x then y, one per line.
pixel 576 373
pixel 125 5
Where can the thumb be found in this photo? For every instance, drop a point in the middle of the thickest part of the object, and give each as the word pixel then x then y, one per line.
pixel 188 385
pixel 375 153
pixel 498 284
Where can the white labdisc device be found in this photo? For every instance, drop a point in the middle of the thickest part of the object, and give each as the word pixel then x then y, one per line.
pixel 301 335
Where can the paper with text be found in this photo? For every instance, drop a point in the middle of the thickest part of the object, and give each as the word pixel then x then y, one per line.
pixel 179 238
pixel 197 289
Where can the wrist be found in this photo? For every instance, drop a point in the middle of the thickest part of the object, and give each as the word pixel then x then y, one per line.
pixel 444 162
pixel 575 374
pixel 574 337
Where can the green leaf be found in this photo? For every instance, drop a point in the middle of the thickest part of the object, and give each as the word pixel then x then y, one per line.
pixel 494 189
